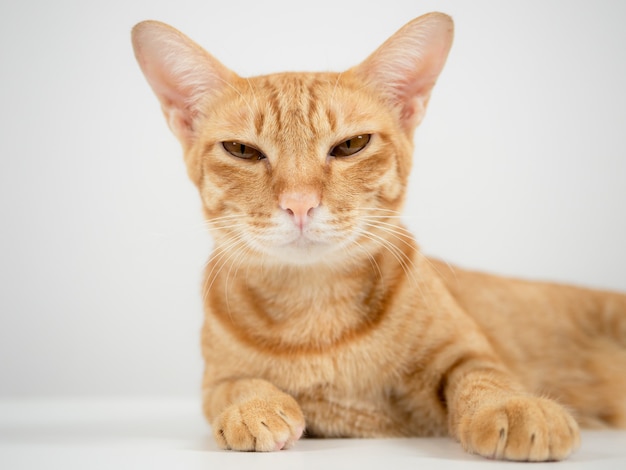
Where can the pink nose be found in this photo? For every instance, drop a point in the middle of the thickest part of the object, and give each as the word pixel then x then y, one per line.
pixel 300 206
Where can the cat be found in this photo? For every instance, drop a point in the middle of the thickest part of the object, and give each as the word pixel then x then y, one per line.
pixel 322 316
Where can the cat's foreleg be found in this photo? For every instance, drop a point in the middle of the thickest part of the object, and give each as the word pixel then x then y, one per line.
pixel 492 416
pixel 252 415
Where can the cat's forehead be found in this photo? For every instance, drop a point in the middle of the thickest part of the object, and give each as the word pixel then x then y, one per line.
pixel 287 86
pixel 314 105
pixel 296 97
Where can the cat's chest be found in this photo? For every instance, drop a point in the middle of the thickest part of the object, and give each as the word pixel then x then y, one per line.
pixel 347 375
pixel 357 392
pixel 313 333
pixel 302 319
pixel 324 346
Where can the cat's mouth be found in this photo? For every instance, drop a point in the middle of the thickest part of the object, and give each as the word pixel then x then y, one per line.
pixel 309 243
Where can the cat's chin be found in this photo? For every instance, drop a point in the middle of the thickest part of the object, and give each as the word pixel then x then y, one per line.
pixel 305 253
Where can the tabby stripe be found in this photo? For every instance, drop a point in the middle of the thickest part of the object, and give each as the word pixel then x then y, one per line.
pixel 313 101
pixel 275 107
pixel 332 119
pixel 259 122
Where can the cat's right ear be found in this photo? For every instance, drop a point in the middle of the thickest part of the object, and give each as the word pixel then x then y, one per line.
pixel 181 73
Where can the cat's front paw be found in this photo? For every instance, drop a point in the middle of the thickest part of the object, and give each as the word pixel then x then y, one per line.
pixel 258 424
pixel 520 428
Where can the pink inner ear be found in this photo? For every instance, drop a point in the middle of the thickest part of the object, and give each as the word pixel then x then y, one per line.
pixel 176 99
pixel 413 95
pixel 180 73
pixel 405 68
pixel 168 92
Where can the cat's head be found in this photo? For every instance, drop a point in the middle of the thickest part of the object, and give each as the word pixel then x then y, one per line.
pixel 298 167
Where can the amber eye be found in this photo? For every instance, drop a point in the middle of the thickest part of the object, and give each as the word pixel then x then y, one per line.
pixel 243 151
pixel 351 146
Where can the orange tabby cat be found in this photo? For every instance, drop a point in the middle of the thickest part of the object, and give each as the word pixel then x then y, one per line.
pixel 321 313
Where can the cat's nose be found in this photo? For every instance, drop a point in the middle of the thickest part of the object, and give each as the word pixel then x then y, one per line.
pixel 300 206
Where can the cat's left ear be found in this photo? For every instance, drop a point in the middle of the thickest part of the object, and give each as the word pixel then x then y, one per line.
pixel 405 68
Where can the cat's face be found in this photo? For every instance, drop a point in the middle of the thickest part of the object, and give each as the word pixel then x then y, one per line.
pixel 297 167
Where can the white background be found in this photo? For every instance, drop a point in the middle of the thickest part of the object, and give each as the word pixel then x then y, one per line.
pixel 520 166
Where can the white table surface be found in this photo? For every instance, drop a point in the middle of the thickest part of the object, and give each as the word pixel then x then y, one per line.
pixel 159 434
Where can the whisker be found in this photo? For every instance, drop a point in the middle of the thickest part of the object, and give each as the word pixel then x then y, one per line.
pixel 223 217
pixel 381 209
pixel 396 228
pixel 236 264
pixel 403 235
pixel 398 233
pixel 371 258
pixel 404 261
pixel 407 264
pixel 220 258
pixel 432 265
pixel 219 219
pixel 195 228
pixel 219 252
pixel 382 213
pixel 382 216
pixel 224 227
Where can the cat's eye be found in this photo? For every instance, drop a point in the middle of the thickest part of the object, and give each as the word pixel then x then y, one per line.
pixel 243 151
pixel 351 146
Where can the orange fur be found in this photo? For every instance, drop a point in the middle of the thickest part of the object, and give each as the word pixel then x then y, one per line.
pixel 321 312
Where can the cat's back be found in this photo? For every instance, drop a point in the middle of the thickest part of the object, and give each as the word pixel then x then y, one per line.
pixel 497 300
